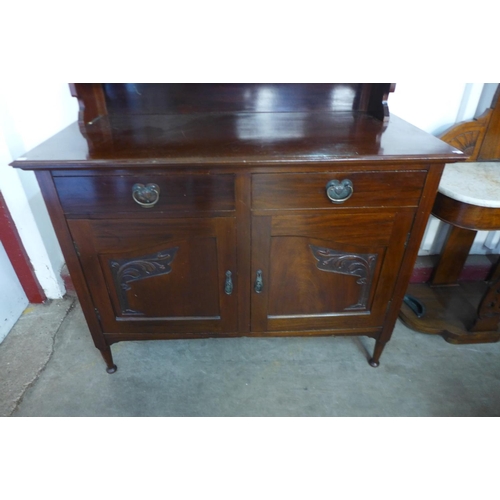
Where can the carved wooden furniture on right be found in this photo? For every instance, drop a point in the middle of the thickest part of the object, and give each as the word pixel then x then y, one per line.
pixel 468 200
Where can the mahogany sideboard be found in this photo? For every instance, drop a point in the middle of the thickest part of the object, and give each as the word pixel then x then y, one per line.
pixel 223 210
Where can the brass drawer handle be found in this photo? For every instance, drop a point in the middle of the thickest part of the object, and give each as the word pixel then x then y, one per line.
pixel 146 196
pixel 339 191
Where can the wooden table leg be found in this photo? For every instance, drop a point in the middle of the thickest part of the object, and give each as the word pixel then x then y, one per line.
pixel 488 313
pixel 379 347
pixel 108 358
pixel 452 260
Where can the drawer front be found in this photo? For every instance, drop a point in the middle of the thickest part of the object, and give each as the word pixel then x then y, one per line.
pixel 365 189
pixel 111 194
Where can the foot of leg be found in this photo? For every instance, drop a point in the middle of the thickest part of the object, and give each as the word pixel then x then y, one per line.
pixel 108 358
pixel 379 347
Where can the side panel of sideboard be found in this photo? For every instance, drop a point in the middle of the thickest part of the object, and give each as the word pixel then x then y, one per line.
pixel 73 263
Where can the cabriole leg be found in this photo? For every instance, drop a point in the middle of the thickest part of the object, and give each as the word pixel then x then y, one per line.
pixel 108 358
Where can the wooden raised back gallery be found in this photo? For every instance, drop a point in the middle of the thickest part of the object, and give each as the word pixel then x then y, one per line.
pixel 202 210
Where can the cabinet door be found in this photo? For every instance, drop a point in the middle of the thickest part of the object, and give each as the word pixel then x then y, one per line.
pixel 160 276
pixel 332 271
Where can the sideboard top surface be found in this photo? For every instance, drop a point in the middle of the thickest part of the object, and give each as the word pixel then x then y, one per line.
pixel 234 124
pixel 236 138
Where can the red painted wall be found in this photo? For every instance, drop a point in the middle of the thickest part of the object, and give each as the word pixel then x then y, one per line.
pixel 18 257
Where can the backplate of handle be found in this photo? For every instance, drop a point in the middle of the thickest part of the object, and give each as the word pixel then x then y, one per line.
pixel 146 196
pixel 259 283
pixel 339 191
pixel 228 286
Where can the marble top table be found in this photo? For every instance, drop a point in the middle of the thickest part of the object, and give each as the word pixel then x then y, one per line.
pixel 476 183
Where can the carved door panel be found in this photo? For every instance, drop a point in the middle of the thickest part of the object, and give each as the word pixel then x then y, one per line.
pixel 160 276
pixel 325 272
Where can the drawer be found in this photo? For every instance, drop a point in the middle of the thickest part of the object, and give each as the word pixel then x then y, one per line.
pixel 110 194
pixel 369 189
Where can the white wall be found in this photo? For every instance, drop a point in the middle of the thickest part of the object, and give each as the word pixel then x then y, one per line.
pixel 30 113
pixel 13 300
pixel 433 106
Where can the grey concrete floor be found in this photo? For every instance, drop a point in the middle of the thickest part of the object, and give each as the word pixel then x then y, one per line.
pixel 61 373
